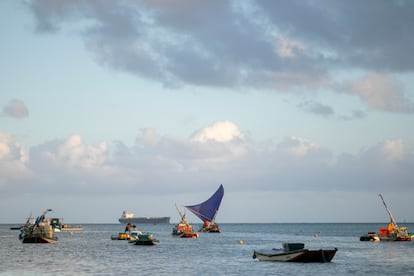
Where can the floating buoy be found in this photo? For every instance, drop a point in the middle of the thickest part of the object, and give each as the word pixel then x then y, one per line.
pixel 241 241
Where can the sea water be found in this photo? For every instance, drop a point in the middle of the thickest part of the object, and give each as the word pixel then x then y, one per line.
pixel 91 251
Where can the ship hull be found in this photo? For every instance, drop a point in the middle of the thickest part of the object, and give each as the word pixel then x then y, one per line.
pixel 145 220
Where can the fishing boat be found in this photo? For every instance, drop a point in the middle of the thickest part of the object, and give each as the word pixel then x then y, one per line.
pixel 16 227
pixel 130 233
pixel 183 229
pixel 295 252
pixel 207 211
pixel 146 239
pixel 39 231
pixel 66 227
pixel 371 236
pixel 128 217
pixel 392 232
pixel 137 238
pixel 58 225
pixel 120 236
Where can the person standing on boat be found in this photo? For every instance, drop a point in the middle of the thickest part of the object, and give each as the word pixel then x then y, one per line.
pixel 128 228
pixel 135 230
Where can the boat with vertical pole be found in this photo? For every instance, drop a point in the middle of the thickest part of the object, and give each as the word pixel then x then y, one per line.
pixel 392 232
pixel 38 232
pixel 183 229
pixel 207 211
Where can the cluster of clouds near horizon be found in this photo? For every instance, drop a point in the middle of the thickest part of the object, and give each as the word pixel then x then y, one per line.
pixel 219 152
pixel 162 165
pixel 361 49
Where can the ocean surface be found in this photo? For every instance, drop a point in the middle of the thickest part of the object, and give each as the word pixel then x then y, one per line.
pixel 92 252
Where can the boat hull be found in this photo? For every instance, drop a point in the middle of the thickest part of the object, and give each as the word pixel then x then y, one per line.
pixel 145 220
pixel 35 239
pixel 120 236
pixel 184 230
pixel 393 238
pixel 300 256
pixel 146 239
pixel 190 235
pixel 153 242
pixel 212 228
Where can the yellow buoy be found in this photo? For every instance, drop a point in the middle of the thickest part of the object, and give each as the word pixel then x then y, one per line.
pixel 241 241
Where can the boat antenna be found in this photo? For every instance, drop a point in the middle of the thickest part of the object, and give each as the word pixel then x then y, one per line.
pixel 388 210
pixel 182 216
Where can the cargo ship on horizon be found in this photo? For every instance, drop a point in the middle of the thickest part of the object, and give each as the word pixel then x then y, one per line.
pixel 128 217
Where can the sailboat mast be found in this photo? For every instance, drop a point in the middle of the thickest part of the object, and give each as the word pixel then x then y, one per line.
pixel 179 212
pixel 388 210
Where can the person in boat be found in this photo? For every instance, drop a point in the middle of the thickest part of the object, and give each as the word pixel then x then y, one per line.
pixel 134 233
pixel 390 228
pixel 128 228
pixel 135 230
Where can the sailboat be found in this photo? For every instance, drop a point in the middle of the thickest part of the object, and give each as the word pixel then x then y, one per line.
pixel 207 211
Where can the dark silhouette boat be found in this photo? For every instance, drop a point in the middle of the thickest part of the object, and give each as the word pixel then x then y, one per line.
pixel 295 252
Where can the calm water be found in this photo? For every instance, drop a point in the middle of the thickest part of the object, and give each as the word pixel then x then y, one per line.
pixel 93 252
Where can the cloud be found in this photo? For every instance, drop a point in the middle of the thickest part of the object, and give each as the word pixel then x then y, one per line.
pixel 277 46
pixel 164 164
pixel 13 162
pixel 297 146
pixel 222 131
pixel 184 43
pixel 381 92
pixel 287 48
pixel 382 167
pixel 366 35
pixel 317 108
pixel 16 109
pixel 219 153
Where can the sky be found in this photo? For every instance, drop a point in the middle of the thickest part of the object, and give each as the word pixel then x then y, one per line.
pixel 303 110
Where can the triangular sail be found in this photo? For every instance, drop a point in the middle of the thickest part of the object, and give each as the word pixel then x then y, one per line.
pixel 207 210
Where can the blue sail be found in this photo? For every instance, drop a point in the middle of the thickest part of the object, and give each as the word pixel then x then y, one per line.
pixel 207 210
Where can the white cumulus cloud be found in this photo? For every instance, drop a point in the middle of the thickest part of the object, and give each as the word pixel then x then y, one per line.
pixel 13 160
pixel 222 131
